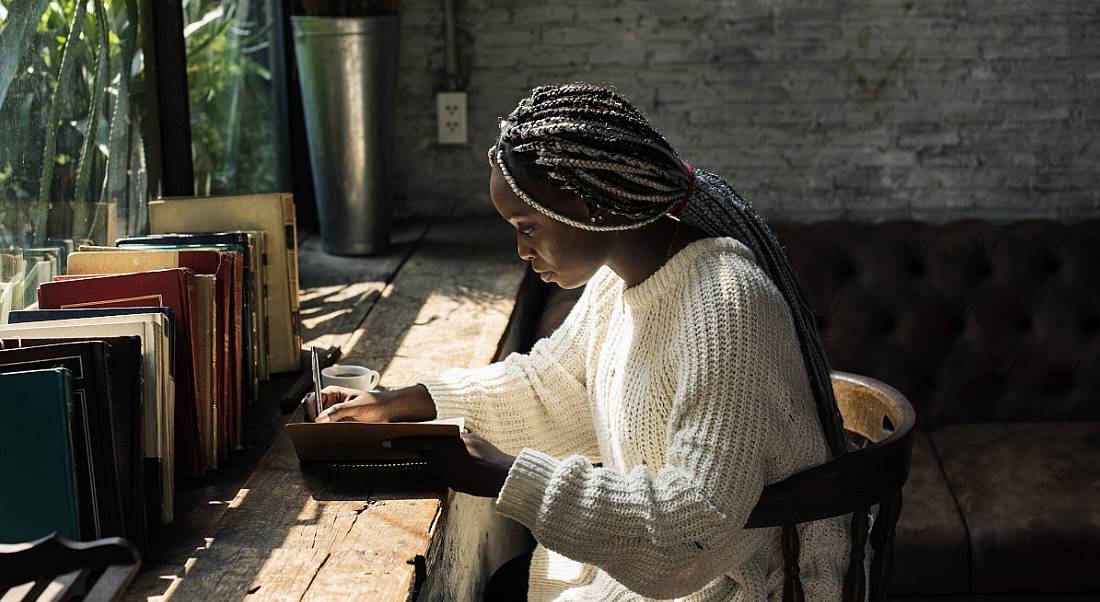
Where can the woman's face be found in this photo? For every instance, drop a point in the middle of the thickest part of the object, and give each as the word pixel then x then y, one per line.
pixel 564 255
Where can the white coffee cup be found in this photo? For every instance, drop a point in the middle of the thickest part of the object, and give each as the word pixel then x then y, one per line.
pixel 350 376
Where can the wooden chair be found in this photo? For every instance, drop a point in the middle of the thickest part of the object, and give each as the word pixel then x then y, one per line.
pixel 878 422
pixel 54 568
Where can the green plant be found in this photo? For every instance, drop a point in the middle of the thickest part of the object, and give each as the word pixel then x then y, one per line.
pixel 71 101
pixel 231 95
pixel 49 150
pixel 65 85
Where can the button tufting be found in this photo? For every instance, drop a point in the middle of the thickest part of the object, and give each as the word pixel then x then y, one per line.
pixel 888 325
pixel 1060 384
pixel 1089 325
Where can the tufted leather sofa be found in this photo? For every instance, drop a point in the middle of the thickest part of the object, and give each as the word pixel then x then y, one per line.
pixel 991 330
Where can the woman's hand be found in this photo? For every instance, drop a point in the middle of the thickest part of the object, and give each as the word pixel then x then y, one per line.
pixel 412 404
pixel 468 464
pixel 342 403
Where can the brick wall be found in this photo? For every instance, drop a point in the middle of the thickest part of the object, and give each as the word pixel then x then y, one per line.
pixel 812 108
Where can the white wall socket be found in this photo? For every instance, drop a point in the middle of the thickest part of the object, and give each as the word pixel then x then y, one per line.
pixel 450 110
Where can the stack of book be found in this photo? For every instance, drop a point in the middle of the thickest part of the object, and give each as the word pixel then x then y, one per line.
pixel 146 353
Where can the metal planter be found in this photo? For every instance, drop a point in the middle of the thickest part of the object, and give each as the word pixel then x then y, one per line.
pixel 347 68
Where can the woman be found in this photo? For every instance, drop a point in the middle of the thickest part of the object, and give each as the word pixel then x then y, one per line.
pixel 689 368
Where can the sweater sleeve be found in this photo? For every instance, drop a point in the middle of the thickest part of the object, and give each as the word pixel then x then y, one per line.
pixel 668 532
pixel 536 399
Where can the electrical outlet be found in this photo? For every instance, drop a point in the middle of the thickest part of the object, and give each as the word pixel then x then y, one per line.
pixel 450 110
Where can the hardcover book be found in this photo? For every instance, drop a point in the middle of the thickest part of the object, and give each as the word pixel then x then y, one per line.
pixel 217 392
pixel 46 315
pixel 246 249
pixel 157 428
pixel 36 441
pixel 140 497
pixel 95 454
pixel 174 288
pixel 274 215
pixel 205 313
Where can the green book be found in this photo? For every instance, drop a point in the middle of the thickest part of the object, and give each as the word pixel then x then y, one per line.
pixel 38 492
pixel 96 459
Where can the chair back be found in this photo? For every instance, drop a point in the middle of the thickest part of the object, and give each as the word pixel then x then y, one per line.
pixel 878 421
pixel 54 568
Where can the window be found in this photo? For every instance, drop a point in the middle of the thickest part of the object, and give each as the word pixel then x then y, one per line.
pixel 72 165
pixel 232 95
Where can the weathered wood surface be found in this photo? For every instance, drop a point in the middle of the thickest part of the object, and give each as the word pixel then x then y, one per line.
pixel 339 534
pixel 338 292
pixel 448 306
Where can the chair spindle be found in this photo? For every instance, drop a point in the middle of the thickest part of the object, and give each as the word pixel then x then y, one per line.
pixel 792 581
pixel 882 539
pixel 855 584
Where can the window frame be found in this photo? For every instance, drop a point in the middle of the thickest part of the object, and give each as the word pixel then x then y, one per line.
pixel 171 164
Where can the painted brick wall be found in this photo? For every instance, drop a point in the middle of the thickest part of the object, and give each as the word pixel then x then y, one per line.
pixel 812 108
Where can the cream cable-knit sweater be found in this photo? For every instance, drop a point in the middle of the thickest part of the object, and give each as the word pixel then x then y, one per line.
pixel 691 391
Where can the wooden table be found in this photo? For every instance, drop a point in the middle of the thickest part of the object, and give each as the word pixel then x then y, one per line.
pixel 443 297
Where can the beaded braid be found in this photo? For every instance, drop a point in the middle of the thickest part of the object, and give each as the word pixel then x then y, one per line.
pixel 597 145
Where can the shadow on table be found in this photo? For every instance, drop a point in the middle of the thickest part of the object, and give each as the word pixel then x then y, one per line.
pixel 337 482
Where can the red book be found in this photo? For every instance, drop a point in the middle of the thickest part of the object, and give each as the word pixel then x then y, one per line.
pixel 174 288
pixel 236 352
pixel 228 268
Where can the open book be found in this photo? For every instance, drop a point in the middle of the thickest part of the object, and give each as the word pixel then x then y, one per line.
pixel 360 443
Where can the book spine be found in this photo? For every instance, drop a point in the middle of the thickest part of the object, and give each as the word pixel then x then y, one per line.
pixel 239 371
pixel 225 310
pixel 262 330
pixel 153 479
pixel 168 495
pixel 68 394
pixel 212 380
pixel 250 340
pixel 194 447
pixel 291 226
pixel 109 479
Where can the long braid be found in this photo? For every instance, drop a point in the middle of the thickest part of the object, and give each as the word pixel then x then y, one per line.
pixel 596 144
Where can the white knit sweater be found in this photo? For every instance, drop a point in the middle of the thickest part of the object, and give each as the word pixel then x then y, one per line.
pixel 690 389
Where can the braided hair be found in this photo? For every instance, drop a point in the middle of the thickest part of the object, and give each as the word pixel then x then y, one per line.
pixel 591 141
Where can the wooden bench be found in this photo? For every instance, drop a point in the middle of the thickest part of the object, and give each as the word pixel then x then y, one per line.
pixel 442 297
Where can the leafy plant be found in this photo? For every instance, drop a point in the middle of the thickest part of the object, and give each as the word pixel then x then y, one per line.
pixel 70 101
pixel 49 151
pixel 66 68
pixel 234 140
